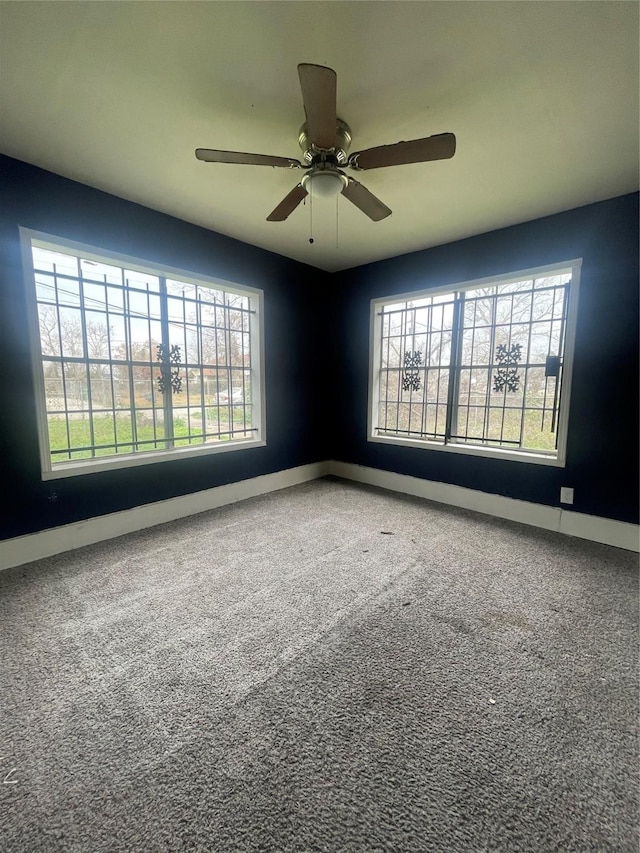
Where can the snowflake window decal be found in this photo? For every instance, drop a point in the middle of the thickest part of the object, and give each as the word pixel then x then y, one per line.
pixel 506 378
pixel 169 376
pixel 411 375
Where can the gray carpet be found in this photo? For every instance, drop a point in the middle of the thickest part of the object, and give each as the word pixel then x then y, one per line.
pixel 326 668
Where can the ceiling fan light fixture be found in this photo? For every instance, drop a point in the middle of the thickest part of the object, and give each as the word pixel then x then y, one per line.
pixel 325 183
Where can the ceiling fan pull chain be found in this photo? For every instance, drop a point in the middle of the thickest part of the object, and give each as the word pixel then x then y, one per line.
pixel 337 209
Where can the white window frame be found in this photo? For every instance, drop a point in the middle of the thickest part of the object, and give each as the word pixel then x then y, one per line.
pixel 67 468
pixel 539 458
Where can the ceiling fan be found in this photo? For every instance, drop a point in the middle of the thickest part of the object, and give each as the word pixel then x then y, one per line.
pixel 325 140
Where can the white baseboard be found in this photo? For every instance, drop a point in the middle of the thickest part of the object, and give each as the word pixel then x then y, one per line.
pixel 35 546
pixel 617 533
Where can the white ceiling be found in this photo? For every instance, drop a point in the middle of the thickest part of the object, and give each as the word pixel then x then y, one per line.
pixel 542 97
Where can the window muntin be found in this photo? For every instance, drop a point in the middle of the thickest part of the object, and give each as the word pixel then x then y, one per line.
pixel 134 364
pixel 480 368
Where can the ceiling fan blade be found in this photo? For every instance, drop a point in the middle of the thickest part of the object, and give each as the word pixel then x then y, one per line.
pixel 212 155
pixel 438 147
pixel 319 85
pixel 288 204
pixel 365 201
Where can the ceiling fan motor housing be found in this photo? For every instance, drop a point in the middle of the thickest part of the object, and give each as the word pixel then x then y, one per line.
pixel 337 154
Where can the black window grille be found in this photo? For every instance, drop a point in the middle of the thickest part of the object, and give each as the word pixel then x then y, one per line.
pixel 480 366
pixel 139 362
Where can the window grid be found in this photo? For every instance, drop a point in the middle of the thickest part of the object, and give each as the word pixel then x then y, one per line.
pixel 98 340
pixel 504 408
pixel 402 331
pixel 530 314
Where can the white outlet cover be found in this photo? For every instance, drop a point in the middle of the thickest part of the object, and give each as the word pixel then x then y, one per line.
pixel 566 495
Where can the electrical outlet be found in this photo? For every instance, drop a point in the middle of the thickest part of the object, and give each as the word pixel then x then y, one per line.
pixel 566 495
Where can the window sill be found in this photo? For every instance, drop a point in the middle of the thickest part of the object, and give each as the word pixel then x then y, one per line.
pixel 467 450
pixel 152 457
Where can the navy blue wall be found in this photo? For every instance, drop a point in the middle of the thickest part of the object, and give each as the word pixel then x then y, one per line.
pixel 602 452
pixel 317 408
pixel 40 200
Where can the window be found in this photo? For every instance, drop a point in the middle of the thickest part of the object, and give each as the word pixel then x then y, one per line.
pixel 484 368
pixel 135 364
